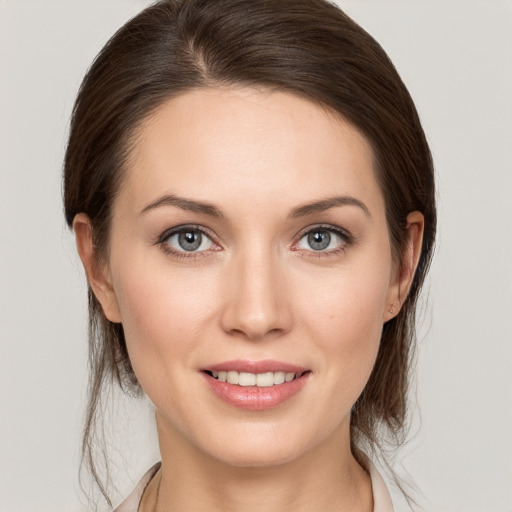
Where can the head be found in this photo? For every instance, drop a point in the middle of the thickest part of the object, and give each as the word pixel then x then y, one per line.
pixel 177 59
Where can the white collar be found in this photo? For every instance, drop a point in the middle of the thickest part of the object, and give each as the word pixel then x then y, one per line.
pixel 381 497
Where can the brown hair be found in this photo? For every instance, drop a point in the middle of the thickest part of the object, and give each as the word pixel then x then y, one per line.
pixel 307 47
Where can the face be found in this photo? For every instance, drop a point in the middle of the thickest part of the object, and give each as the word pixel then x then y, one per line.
pixel 249 246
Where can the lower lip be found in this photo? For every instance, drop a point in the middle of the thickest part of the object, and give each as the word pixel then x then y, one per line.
pixel 254 398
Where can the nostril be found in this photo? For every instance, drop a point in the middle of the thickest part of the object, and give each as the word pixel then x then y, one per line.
pixel 256 311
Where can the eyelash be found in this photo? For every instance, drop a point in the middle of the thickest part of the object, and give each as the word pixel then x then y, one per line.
pixel 164 238
pixel 346 241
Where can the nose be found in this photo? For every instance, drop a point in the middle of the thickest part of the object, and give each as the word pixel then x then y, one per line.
pixel 256 303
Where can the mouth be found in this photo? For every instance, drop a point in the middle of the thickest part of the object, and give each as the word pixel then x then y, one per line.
pixel 260 380
pixel 255 385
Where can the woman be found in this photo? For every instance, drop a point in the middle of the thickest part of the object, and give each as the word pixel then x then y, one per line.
pixel 252 197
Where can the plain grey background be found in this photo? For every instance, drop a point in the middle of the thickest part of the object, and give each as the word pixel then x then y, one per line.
pixel 456 58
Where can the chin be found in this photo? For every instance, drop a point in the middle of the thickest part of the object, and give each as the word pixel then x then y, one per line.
pixel 252 447
pixel 258 458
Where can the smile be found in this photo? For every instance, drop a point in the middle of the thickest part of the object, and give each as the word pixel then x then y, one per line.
pixel 262 380
pixel 255 385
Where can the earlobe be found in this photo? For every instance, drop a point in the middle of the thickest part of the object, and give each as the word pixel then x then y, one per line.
pixel 399 289
pixel 98 275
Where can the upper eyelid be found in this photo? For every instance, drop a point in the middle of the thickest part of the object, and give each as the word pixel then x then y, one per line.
pixel 210 234
pixel 327 227
pixel 347 239
pixel 162 240
pixel 177 229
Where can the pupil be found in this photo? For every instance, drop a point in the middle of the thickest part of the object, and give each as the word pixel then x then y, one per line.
pixel 319 240
pixel 190 240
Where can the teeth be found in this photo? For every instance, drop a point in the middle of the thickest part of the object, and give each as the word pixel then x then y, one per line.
pixel 232 378
pixel 261 380
pixel 279 377
pixel 265 380
pixel 247 379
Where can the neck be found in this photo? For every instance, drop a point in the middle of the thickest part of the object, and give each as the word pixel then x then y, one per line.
pixel 326 478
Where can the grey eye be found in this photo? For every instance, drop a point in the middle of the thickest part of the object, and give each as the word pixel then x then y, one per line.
pixel 189 240
pixel 321 239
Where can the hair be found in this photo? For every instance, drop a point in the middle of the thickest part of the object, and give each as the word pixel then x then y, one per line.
pixel 309 48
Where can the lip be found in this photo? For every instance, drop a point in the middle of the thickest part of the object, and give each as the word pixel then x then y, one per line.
pixel 267 365
pixel 254 398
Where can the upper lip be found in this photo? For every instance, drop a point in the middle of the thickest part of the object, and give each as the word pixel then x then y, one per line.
pixel 242 365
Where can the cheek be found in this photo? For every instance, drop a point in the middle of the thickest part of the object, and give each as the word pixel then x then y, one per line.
pixel 344 317
pixel 162 313
pixel 347 303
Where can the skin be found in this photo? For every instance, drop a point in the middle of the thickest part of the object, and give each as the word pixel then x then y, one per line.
pixel 257 291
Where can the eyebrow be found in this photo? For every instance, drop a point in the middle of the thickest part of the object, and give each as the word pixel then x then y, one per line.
pixel 326 204
pixel 195 206
pixel 190 205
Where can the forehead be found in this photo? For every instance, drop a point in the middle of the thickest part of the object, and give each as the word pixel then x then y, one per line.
pixel 248 145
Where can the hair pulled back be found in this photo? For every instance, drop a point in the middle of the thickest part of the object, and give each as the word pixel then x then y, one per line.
pixel 306 47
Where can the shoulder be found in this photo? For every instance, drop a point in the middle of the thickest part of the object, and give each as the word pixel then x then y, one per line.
pixel 131 503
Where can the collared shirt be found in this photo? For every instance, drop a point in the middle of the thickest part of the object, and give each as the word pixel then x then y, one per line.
pixel 381 498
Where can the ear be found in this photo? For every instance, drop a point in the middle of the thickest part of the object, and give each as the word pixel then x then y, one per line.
pixel 97 272
pixel 404 274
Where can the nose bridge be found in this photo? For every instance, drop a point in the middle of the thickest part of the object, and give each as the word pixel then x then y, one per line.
pixel 257 303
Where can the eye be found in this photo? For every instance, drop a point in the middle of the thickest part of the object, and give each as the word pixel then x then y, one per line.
pixel 323 240
pixel 187 239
